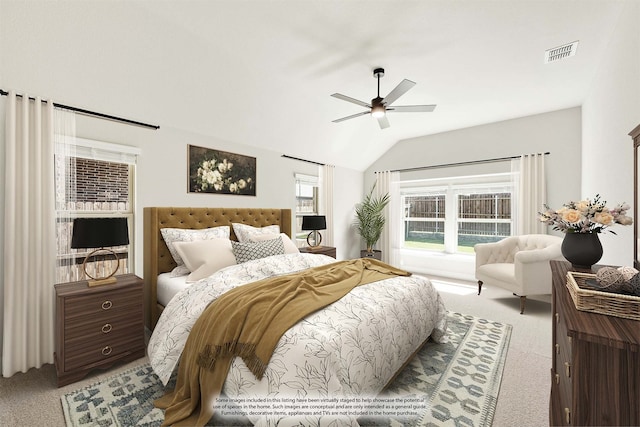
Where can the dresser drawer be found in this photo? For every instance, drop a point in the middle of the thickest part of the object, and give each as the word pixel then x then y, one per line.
pixel 96 352
pixel 101 303
pixel 117 323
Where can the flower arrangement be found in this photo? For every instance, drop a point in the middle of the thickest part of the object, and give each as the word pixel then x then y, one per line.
pixel 586 216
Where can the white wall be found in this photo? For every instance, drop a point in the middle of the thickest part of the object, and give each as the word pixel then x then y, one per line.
pixel 610 111
pixel 162 176
pixel 557 132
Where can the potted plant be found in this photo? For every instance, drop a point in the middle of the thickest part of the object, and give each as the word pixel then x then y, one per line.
pixel 370 221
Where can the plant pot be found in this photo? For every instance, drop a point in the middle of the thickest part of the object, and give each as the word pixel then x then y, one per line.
pixel 375 254
pixel 582 250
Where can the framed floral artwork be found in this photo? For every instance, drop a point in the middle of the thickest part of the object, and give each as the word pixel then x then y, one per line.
pixel 220 172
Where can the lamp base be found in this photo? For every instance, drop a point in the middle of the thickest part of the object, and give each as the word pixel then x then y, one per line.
pixel 316 237
pixel 108 281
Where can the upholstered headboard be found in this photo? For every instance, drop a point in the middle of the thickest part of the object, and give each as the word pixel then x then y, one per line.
pixel 158 259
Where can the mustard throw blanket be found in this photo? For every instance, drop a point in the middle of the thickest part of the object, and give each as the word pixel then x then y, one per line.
pixel 248 322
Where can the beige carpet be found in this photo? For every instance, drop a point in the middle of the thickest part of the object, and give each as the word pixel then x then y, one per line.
pixel 526 382
pixel 32 399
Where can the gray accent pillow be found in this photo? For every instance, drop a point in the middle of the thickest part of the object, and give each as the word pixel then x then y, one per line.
pixel 248 251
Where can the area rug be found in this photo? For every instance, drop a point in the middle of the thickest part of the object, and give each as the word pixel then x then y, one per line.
pixel 455 383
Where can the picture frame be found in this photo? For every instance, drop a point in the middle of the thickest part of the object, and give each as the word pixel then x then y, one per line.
pixel 220 172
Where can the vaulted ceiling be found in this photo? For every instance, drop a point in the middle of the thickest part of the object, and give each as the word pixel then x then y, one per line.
pixel 261 72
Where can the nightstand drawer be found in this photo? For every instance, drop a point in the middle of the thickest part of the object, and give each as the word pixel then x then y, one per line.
pixel 101 303
pixel 117 323
pixel 100 350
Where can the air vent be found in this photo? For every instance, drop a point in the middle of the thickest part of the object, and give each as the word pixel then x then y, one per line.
pixel 560 52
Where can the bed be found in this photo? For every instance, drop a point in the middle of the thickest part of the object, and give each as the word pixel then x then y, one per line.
pixel 353 347
pixel 158 259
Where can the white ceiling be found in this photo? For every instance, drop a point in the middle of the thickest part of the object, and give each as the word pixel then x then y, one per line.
pixel 261 72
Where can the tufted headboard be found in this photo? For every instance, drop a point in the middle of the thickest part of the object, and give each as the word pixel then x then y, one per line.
pixel 158 259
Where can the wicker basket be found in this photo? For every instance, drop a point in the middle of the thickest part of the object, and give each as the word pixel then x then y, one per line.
pixel 587 299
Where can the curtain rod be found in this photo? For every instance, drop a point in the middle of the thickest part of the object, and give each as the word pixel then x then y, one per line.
pixel 303 160
pixel 91 113
pixel 472 162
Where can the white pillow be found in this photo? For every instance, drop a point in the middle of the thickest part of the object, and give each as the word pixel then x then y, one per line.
pixel 205 257
pixel 289 246
pixel 244 232
pixel 172 235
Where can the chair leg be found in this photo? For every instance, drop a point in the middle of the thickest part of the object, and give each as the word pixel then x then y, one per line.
pixel 479 286
pixel 522 301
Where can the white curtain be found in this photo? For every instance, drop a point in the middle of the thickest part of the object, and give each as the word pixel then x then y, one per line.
pixel 529 174
pixel 29 229
pixel 388 182
pixel 326 202
pixel 65 189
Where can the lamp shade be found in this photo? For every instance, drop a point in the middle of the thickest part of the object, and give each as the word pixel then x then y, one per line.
pixel 314 222
pixel 99 232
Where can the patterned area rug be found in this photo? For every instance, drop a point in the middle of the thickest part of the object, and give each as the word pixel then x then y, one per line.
pixel 457 383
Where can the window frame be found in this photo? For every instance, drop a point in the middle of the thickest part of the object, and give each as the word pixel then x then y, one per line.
pixel 314 182
pixel 110 153
pixel 452 188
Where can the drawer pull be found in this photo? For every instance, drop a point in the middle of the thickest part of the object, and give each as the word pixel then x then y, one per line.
pixel 557 348
pixel 106 351
pixel 567 369
pixel 567 415
pixel 557 378
pixel 557 318
pixel 107 305
pixel 106 328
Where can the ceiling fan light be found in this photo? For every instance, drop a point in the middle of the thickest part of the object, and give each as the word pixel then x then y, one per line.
pixel 377 111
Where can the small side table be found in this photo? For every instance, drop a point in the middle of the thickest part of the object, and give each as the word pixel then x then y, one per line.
pixel 323 250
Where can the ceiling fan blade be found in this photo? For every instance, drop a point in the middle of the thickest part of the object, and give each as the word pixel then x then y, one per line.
pixel 352 100
pixel 398 91
pixel 350 117
pixel 383 122
pixel 412 108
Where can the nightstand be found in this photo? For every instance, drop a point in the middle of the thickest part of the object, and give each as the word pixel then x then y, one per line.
pixel 324 250
pixel 97 326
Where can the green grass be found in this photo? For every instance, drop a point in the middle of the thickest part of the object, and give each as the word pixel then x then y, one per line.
pixel 434 246
pixel 437 245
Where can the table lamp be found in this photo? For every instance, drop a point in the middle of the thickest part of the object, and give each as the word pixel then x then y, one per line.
pixel 314 223
pixel 100 233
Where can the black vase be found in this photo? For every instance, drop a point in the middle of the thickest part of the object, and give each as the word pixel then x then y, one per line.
pixel 582 250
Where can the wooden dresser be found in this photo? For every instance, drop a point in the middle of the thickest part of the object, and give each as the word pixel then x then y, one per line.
pixel 97 326
pixel 595 377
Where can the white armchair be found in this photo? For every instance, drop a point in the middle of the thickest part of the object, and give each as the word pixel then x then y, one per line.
pixel 519 264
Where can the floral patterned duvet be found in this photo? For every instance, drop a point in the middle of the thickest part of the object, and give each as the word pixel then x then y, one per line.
pixel 352 347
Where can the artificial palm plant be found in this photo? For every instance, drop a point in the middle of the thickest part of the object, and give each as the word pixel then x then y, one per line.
pixel 370 217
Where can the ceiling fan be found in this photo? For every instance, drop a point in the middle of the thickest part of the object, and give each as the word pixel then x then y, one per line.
pixel 379 106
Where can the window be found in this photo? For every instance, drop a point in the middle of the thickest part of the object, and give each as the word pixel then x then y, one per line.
pixel 306 202
pixel 424 221
pixel 451 215
pixel 92 182
pixel 483 217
